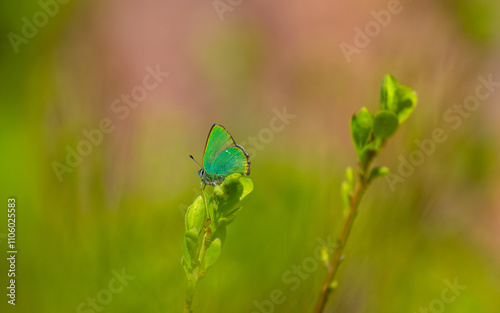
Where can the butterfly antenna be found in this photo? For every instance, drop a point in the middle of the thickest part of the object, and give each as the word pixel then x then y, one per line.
pixel 195 160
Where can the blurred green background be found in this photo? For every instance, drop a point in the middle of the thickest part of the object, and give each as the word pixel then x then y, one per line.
pixel 121 208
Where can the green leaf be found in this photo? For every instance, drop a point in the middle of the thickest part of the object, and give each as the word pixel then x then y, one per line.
pixel 407 101
pixel 212 211
pixel 349 177
pixel 388 96
pixel 325 257
pixel 333 285
pixel 190 246
pixel 230 216
pixel 223 204
pixel 361 129
pixel 247 186
pixel 218 191
pixel 196 215
pixel 385 124
pixel 212 253
pixel 368 152
pixel 186 255
pixel 399 99
pixel 231 191
pixel 187 268
pixel 378 172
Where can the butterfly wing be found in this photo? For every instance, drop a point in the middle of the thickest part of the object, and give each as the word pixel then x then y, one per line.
pixel 232 160
pixel 222 155
pixel 218 140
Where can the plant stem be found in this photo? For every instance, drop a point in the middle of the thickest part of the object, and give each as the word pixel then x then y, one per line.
pixel 187 306
pixel 206 241
pixel 355 199
pixel 199 272
pixel 190 293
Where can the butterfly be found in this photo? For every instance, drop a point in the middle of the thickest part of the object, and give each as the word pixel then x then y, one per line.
pixel 222 157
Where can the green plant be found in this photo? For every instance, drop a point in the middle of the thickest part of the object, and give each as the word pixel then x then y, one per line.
pixel 369 134
pixel 206 221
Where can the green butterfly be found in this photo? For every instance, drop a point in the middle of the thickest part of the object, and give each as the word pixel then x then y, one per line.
pixel 222 157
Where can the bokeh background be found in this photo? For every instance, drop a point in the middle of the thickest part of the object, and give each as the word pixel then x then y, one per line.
pixel 122 206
